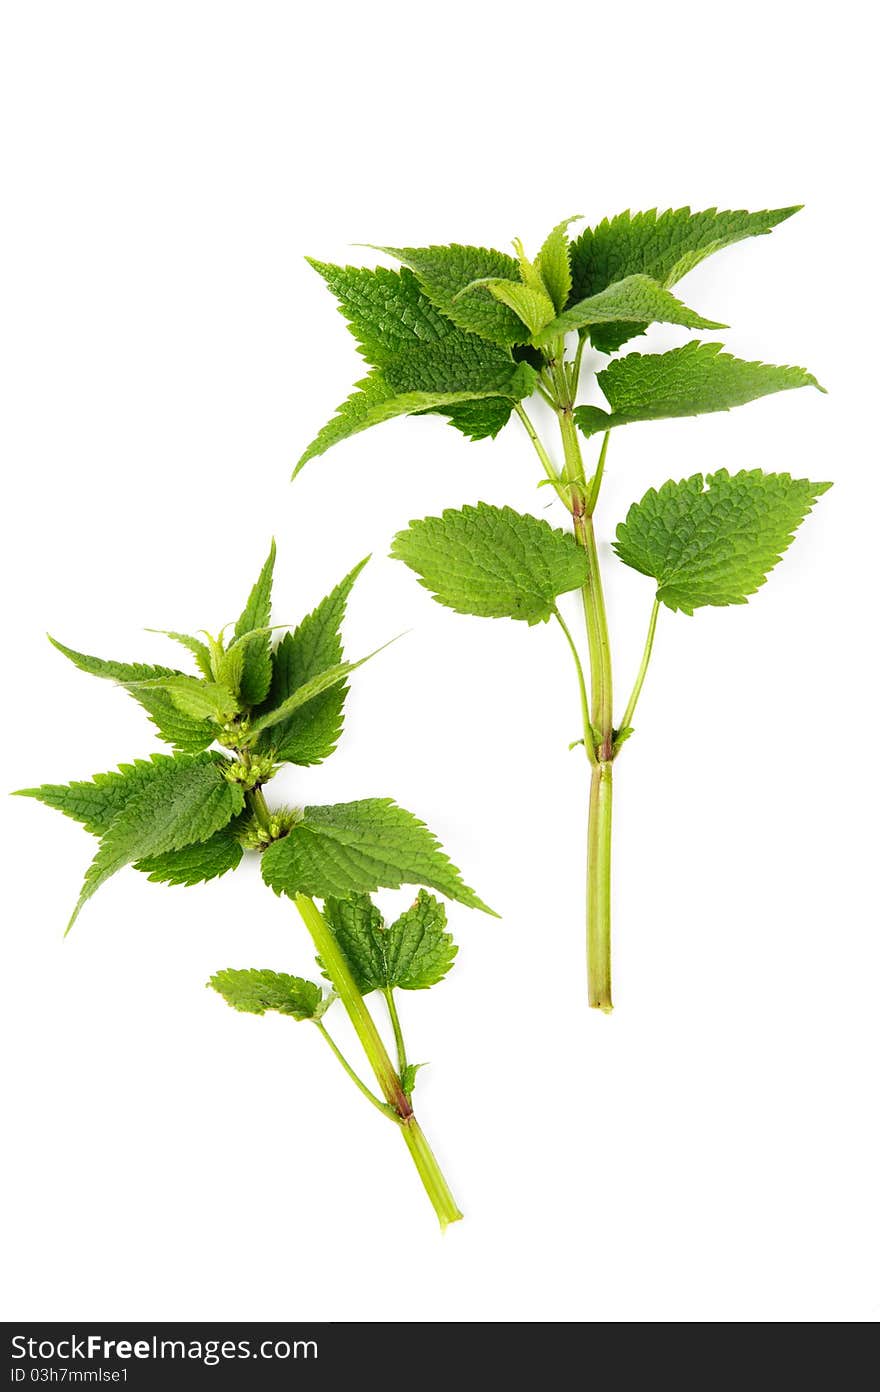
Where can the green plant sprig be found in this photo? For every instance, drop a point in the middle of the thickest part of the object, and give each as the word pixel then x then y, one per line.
pixel 191 815
pixel 471 333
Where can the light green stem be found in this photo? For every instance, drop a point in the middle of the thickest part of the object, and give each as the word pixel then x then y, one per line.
pixel 589 743
pixel 384 1107
pixel 546 462
pixel 344 984
pixel 583 502
pixel 640 679
pixel 398 1032
pixel 599 889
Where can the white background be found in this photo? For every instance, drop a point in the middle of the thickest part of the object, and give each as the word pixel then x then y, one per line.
pixel 710 1152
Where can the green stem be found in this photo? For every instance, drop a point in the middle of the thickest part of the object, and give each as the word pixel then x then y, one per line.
pixel 431 1175
pixel 256 801
pixel 596 481
pixel 640 679
pixel 390 1086
pixel 398 1032
pixel 599 889
pixel 583 502
pixel 589 742
pixel 546 462
pixel 384 1107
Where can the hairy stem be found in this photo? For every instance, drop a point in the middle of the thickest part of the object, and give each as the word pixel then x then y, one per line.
pixel 643 668
pixel 256 801
pixel 546 462
pixel 390 1086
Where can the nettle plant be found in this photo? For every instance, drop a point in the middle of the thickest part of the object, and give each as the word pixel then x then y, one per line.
pixel 471 333
pixel 191 815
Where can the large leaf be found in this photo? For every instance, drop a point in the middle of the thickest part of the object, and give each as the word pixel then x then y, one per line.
pixel 714 540
pixel 492 562
pixel 188 803
pixel 386 310
pixel 376 400
pixel 96 801
pixel 310 734
pixel 205 860
pixel 358 847
pixel 664 246
pixel 689 381
pixel 637 299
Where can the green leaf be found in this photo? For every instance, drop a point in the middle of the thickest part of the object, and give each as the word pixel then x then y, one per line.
pixel 94 803
pixel 414 953
pixel 533 306
pixel 206 860
pixel 664 246
pixel 376 401
pixel 188 734
pixel 357 926
pixel 492 561
pixel 386 310
pixel 358 847
pixel 256 668
pixel 315 686
pixel 418 950
pixel 714 540
pixel 408 1077
pixel 255 992
pixel 479 420
pixel 444 271
pixel 310 734
pixel 200 651
pixel 188 803
pixel 554 264
pixel 638 298
pixel 194 697
pixel 686 382
pixel 125 673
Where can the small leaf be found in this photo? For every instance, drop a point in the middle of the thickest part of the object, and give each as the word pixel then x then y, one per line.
pixel 638 298
pixel 418 950
pixel 415 952
pixel 202 700
pixel 492 562
pixel 714 540
pixel 408 1077
pixel 315 686
pixel 200 651
pixel 310 734
pixel 356 924
pixel 689 381
pixel 139 679
pixel 255 992
pixel 534 307
pixel 479 420
pixel 256 666
pixel 554 264
pixel 358 847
